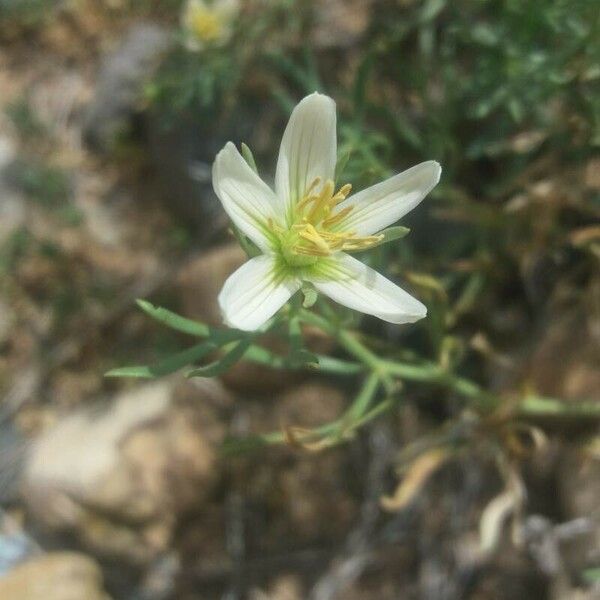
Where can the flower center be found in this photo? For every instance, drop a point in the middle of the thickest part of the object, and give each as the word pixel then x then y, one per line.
pixel 206 24
pixel 310 235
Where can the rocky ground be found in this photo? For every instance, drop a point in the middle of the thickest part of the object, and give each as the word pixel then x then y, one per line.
pixel 112 489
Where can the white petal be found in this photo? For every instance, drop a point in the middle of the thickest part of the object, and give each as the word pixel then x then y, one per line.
pixel 357 286
pixel 246 198
pixel 308 148
pixel 254 293
pixel 383 204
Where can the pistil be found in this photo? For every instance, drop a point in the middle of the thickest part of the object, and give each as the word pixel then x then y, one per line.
pixel 310 237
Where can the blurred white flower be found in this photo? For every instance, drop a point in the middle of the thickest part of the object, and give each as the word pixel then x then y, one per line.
pixel 305 228
pixel 208 23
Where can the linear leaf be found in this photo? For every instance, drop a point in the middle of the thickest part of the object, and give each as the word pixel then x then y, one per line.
pixel 249 157
pixel 224 363
pixel 173 320
pixel 167 365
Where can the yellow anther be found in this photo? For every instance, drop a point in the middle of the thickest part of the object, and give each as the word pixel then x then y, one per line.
pixel 310 251
pixel 315 182
pixel 341 194
pixel 314 198
pixel 345 189
pixel 310 235
pixel 337 217
pixel 206 24
pixel 322 203
pixel 362 243
pixel 308 195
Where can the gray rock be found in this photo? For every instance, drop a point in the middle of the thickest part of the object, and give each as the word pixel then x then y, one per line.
pixel 117 479
pixel 56 576
pixel 122 75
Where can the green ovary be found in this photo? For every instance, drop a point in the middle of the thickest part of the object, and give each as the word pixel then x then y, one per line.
pixel 289 241
pixel 310 236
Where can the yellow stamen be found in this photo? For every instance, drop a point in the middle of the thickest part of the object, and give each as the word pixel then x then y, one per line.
pixel 309 234
pixel 315 182
pixel 342 194
pixel 338 216
pixel 205 23
pixel 310 251
pixel 323 202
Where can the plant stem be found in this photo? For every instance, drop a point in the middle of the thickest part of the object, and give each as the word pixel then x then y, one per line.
pixel 354 346
pixel 538 406
pixel 364 397
pixel 433 373
pixel 428 372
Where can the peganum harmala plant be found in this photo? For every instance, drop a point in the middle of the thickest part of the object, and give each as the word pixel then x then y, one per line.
pixel 298 238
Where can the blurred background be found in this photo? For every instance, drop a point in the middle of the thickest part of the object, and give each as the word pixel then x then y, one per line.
pixel 111 113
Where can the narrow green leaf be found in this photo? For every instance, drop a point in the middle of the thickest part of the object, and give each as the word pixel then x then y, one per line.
pixel 173 320
pixel 303 358
pixel 262 356
pixel 248 246
pixel 167 365
pixel 391 234
pixel 249 157
pixel 310 295
pixel 219 367
pixel 394 233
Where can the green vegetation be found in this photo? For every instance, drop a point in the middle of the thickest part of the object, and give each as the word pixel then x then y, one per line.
pixel 47 185
pixel 24 13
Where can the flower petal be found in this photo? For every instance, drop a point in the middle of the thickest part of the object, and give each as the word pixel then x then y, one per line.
pixel 383 204
pixel 246 198
pixel 357 286
pixel 308 148
pixel 254 293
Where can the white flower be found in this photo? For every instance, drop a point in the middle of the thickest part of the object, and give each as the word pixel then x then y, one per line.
pixel 208 24
pixel 304 228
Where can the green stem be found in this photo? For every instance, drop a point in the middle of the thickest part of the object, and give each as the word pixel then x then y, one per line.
pixel 355 416
pixel 355 347
pixel 327 364
pixel 375 412
pixel 434 373
pixel 428 372
pixel 313 318
pixel 363 398
pixel 538 406
pixel 352 344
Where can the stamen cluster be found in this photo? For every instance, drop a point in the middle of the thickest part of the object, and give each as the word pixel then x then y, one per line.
pixel 311 233
pixel 206 24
